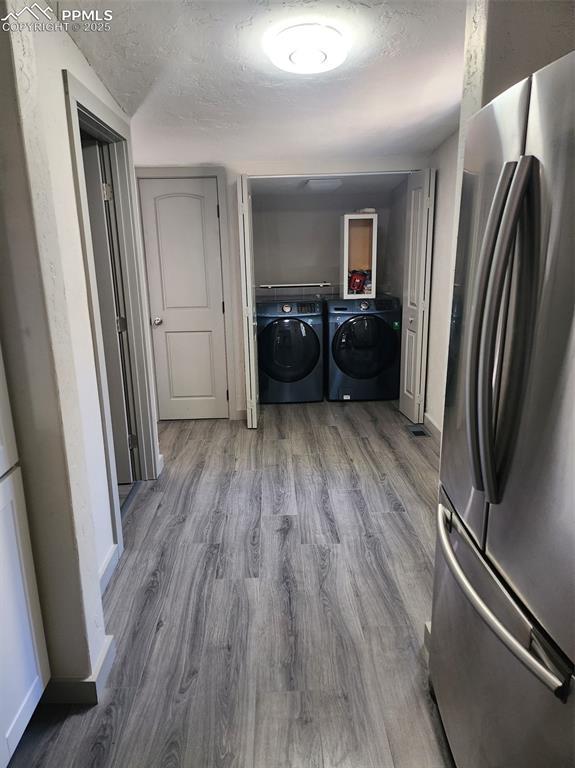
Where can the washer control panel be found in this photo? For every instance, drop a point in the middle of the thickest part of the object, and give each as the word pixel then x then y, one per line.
pixel 364 305
pixel 286 308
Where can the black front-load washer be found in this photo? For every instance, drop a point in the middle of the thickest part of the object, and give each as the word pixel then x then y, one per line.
pixel 364 348
pixel 290 351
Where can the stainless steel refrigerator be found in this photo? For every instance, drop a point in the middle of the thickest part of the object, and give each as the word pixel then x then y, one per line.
pixel 503 623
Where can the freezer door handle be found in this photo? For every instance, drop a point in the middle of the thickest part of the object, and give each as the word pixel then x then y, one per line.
pixel 543 671
pixel 501 260
pixel 472 368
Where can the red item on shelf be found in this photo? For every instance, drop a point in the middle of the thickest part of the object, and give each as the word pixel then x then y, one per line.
pixel 357 280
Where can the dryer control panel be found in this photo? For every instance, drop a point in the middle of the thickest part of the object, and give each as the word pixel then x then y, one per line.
pixel 292 308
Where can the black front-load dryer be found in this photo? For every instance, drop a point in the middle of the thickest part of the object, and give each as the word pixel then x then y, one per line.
pixel 364 348
pixel 290 351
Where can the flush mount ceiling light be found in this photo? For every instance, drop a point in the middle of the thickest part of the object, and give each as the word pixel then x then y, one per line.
pixel 307 47
pixel 323 185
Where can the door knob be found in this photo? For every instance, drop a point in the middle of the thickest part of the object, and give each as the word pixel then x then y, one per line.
pixel 157 321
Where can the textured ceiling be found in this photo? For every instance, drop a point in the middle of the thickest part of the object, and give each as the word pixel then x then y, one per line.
pixel 200 88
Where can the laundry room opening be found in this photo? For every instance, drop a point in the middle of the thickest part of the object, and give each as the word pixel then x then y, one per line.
pixel 335 278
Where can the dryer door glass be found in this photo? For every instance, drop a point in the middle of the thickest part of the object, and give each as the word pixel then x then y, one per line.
pixel 289 349
pixel 364 346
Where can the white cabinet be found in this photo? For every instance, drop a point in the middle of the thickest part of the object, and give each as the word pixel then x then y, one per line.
pixel 24 667
pixel 358 255
pixel 24 670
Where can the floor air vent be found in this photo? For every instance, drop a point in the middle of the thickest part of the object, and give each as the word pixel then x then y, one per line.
pixel 417 430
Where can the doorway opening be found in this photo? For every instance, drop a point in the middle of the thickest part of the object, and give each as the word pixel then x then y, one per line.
pixel 330 241
pixel 111 290
pixel 119 315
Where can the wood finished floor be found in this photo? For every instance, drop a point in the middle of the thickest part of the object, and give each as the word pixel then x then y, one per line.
pixel 269 607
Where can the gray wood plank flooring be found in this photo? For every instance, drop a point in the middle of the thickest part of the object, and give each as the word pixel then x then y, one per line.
pixel 269 607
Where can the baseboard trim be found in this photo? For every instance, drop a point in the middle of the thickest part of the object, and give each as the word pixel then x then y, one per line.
pixel 83 691
pixel 159 465
pixel 109 566
pixel 131 497
pixel 432 428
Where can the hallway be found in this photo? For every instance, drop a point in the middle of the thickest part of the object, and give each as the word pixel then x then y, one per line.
pixel 269 607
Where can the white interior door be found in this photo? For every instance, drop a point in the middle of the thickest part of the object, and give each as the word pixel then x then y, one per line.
pixel 416 285
pixel 182 243
pixel 250 327
pixel 109 316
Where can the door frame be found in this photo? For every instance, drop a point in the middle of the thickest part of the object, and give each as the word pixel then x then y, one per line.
pixel 429 251
pixel 219 174
pixel 86 111
pixel 111 286
pixel 248 301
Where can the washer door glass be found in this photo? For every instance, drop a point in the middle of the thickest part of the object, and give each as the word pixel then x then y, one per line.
pixel 288 349
pixel 364 346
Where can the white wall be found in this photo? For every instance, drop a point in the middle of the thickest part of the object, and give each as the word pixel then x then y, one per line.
pixel 390 276
pixel 54 53
pixel 49 352
pixel 297 237
pixel 522 37
pixel 444 159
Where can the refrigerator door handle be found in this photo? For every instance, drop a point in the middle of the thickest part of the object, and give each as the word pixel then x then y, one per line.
pixel 501 256
pixel 485 263
pixel 543 671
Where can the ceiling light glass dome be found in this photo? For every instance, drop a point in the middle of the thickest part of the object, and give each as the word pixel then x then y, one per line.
pixel 307 47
